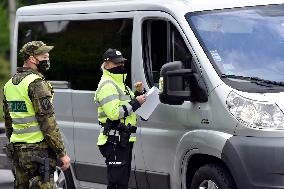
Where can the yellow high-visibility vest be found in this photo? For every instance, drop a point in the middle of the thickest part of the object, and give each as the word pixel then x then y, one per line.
pixel 25 125
pixel 105 94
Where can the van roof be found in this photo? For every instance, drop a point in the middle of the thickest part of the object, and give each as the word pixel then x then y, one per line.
pixel 94 6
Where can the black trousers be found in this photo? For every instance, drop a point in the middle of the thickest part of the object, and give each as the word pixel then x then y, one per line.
pixel 118 161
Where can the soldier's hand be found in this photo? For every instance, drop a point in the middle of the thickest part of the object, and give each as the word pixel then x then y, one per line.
pixel 141 99
pixel 65 162
pixel 139 87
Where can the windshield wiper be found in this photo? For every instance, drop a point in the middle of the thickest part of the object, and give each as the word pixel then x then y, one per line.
pixel 255 80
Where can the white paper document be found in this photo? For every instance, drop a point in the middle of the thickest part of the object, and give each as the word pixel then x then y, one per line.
pixel 152 101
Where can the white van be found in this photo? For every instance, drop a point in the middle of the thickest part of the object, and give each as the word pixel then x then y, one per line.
pixel 220 121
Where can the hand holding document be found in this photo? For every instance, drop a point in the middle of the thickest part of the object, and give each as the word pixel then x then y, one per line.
pixel 152 101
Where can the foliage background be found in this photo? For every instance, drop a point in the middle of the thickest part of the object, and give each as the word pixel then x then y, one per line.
pixel 4 41
pixel 4 49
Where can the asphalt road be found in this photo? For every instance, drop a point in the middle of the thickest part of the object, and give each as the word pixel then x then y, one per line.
pixel 6 179
pixel 6 176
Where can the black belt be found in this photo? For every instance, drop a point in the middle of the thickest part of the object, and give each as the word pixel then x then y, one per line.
pixel 40 142
pixel 131 128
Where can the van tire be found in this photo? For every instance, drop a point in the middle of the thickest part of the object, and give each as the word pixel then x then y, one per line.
pixel 215 174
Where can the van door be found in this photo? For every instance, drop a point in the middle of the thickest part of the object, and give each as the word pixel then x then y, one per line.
pixel 162 41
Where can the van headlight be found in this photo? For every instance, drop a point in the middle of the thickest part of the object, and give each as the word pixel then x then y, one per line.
pixel 254 114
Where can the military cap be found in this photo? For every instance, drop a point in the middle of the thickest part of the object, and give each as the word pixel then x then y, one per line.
pixel 35 48
pixel 113 55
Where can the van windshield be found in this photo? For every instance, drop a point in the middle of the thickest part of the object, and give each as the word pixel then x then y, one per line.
pixel 243 42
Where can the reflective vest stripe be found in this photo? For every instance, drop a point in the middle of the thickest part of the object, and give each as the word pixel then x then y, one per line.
pixel 121 113
pixel 121 95
pixel 111 98
pixel 102 114
pixel 133 135
pixel 102 129
pixel 124 98
pixel 108 99
pixel 129 108
pixel 26 130
pixel 24 120
pixel 120 92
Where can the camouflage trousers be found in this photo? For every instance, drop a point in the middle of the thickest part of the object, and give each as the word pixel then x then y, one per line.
pixel 27 172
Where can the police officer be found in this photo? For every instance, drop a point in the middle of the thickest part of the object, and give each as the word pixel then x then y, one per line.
pixel 116 113
pixel 30 122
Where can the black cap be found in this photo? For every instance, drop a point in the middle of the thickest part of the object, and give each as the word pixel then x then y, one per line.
pixel 113 55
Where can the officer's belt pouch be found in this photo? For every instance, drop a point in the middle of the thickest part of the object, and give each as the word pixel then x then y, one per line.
pixel 113 139
pixel 124 139
pixel 133 129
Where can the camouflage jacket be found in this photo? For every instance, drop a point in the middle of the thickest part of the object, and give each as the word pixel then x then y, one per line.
pixel 40 92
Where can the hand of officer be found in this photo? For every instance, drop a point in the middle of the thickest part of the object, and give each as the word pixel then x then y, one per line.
pixel 65 162
pixel 141 99
pixel 139 87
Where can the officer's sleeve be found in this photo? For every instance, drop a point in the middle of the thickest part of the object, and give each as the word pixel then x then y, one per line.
pixel 7 118
pixel 40 94
pixel 108 99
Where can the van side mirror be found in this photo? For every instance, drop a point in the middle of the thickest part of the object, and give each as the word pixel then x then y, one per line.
pixel 176 83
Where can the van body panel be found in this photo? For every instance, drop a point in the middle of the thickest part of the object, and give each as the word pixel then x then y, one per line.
pixel 91 174
pixel 64 116
pixel 14 47
pixel 173 133
pixel 206 141
pixel 126 5
pixel 86 128
pixel 217 99
pixel 99 6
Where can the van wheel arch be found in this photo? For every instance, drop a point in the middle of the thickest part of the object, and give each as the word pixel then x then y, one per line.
pixel 197 161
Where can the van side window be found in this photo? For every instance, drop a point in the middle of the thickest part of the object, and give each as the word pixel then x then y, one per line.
pixel 78 47
pixel 162 43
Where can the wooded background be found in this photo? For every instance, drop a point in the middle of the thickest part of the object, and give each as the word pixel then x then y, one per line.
pixel 7 17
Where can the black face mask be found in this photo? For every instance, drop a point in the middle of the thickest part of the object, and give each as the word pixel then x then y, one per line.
pixel 43 65
pixel 118 70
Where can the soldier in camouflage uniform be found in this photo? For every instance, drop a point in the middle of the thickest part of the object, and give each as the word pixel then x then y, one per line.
pixel 30 122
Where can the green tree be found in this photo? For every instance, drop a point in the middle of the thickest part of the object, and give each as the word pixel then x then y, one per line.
pixel 4 30
pixel 32 2
pixel 4 49
pixel 4 40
